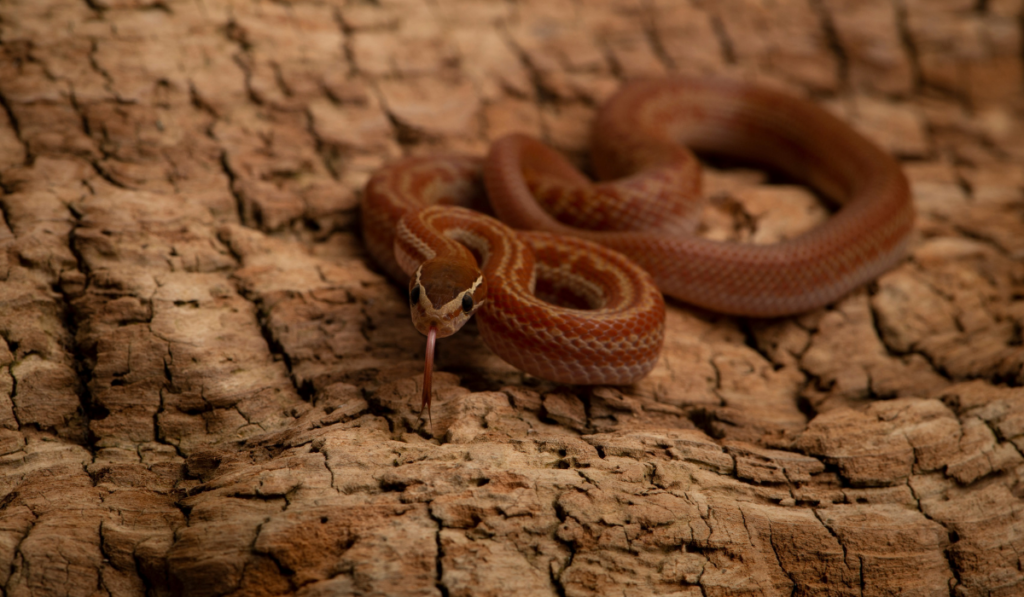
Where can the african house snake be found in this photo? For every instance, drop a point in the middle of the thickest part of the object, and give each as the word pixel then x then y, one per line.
pixel 610 327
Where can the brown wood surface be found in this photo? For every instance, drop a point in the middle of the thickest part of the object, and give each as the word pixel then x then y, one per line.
pixel 206 389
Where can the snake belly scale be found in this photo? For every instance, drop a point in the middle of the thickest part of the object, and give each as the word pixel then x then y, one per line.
pixel 609 324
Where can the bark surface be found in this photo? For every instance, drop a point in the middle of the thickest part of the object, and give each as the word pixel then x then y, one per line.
pixel 206 389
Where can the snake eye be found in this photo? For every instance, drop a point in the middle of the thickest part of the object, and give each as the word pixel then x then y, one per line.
pixel 414 294
pixel 467 303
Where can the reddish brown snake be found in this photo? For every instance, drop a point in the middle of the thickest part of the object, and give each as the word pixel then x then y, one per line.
pixel 640 144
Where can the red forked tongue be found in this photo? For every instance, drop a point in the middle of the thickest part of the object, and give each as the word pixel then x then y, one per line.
pixel 428 368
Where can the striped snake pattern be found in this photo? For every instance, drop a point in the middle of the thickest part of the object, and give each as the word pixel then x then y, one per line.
pixel 563 302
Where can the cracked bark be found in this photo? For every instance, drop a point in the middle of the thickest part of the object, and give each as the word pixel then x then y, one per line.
pixel 206 389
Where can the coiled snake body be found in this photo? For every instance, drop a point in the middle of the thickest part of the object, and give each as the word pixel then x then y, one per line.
pixel 611 328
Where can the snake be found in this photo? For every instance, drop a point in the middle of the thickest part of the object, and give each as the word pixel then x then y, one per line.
pixel 566 274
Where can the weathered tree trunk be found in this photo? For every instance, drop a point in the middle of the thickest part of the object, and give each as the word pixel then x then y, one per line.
pixel 206 389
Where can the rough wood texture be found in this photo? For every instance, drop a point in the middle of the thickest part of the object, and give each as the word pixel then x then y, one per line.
pixel 207 390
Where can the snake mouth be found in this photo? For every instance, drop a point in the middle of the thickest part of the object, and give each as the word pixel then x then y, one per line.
pixel 428 368
pixel 443 326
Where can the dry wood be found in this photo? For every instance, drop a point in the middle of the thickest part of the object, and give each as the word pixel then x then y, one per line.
pixel 206 389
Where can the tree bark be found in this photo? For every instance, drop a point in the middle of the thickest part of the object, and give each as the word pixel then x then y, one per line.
pixel 207 389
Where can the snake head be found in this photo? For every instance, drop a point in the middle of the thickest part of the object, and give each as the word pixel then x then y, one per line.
pixel 444 294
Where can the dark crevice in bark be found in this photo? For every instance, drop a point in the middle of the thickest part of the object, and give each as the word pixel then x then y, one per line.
pixel 909 46
pixel 556 579
pixel 6 501
pixel 724 43
pixel 71 323
pixel 29 158
pixel 274 347
pixel 439 559
pixel 952 537
pixel 239 200
pixel 833 43
pixel 543 95
pixel 839 541
pixel 651 35
pixel 95 66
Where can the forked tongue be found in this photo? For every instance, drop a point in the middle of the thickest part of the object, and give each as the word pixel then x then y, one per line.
pixel 428 368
